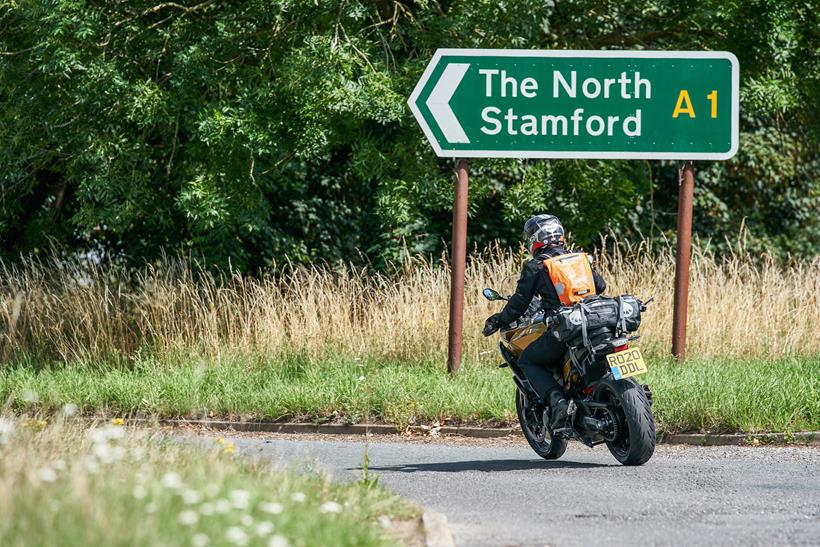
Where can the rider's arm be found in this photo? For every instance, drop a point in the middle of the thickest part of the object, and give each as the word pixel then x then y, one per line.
pixel 523 292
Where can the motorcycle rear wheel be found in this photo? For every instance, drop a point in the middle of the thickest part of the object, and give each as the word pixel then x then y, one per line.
pixel 551 447
pixel 635 442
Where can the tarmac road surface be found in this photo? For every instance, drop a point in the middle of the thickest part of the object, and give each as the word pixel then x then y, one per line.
pixel 500 493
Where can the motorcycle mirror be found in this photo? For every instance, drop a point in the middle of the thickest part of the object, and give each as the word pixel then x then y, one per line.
pixel 491 295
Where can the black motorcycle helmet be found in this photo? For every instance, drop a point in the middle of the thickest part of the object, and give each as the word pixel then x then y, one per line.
pixel 541 231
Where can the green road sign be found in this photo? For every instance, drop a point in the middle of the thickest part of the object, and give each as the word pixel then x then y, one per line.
pixel 502 103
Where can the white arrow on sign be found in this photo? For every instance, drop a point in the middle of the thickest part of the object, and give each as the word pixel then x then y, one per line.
pixel 439 102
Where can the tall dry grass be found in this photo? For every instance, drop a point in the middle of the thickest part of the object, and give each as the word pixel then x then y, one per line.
pixel 738 307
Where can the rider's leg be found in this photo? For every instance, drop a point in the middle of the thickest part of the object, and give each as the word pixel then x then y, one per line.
pixel 558 408
pixel 537 362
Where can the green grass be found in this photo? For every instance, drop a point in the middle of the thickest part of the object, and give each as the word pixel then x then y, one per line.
pixel 62 485
pixel 721 395
pixel 718 395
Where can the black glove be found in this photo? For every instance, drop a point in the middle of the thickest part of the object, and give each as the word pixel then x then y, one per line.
pixel 492 324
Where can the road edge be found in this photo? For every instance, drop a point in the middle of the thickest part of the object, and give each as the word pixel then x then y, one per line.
pixel 809 438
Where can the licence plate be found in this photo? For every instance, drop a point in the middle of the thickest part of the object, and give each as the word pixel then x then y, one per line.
pixel 626 363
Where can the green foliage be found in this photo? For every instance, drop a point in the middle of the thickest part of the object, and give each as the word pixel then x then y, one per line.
pixel 252 132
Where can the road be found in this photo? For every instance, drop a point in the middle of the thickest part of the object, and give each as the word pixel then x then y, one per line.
pixel 499 493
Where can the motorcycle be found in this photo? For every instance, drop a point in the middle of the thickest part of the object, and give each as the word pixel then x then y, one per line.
pixel 606 403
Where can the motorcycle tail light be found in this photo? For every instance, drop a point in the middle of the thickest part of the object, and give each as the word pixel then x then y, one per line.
pixel 620 348
pixel 588 390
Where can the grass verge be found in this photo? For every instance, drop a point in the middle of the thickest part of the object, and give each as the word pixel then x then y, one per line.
pixel 716 395
pixel 62 485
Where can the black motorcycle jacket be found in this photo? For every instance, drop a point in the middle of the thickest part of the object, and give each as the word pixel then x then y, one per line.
pixel 536 280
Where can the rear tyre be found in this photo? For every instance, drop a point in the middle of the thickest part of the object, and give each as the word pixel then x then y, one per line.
pixel 634 443
pixel 541 439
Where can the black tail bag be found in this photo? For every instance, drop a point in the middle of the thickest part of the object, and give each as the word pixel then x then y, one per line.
pixel 619 314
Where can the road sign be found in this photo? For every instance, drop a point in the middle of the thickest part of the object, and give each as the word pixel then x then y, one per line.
pixel 502 103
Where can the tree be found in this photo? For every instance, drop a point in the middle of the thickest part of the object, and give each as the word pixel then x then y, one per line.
pixel 253 132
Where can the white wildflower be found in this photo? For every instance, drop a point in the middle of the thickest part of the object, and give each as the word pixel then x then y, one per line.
pixel 47 474
pixel 361 378
pixel 298 497
pixel 103 453
pixel 69 410
pixel 200 540
pixel 29 396
pixel 271 507
pixel 278 541
pixel 101 435
pixel 190 497
pixel 114 432
pixel 139 492
pixel 222 505
pixel 247 520
pixel 240 498
pixel 117 453
pixel 92 465
pixel 188 518
pixel 171 481
pixel 264 528
pixel 137 454
pixel 236 535
pixel 384 521
pixel 330 507
pixel 151 508
pixel 98 436
pixel 6 429
pixel 207 509
pixel 212 490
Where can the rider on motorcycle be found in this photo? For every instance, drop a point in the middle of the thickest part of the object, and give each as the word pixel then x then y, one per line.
pixel 544 238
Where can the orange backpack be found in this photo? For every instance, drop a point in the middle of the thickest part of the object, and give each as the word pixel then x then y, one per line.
pixel 571 276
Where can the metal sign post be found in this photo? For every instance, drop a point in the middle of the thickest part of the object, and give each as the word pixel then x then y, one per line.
pixel 458 265
pixel 504 103
pixel 686 193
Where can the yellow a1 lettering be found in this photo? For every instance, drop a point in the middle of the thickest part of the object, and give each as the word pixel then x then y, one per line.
pixel 684 105
pixel 713 97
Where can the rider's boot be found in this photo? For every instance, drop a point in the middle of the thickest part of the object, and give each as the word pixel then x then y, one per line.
pixel 558 409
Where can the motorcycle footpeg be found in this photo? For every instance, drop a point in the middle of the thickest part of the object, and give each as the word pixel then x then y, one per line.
pixel 503 365
pixel 571 410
